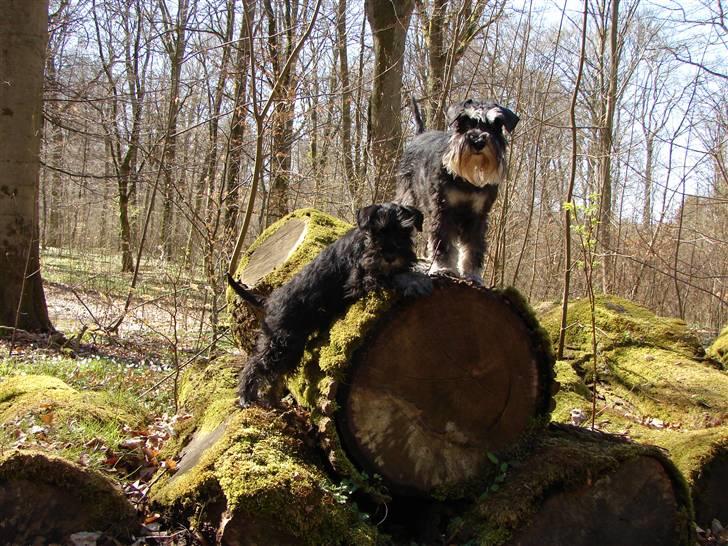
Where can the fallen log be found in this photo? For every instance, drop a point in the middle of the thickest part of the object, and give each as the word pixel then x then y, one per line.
pixel 655 386
pixel 582 489
pixel 259 478
pixel 275 256
pixel 45 495
pixel 251 476
pixel 424 392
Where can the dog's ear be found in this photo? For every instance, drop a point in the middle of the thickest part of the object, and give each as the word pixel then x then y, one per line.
pixel 365 216
pixel 504 115
pixel 416 215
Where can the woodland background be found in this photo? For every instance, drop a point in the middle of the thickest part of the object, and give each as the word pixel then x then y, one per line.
pixel 167 121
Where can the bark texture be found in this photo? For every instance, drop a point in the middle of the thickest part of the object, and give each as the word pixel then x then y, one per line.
pixel 23 36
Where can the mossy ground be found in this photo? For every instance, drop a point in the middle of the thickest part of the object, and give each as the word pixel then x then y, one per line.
pixel 39 411
pixel 653 384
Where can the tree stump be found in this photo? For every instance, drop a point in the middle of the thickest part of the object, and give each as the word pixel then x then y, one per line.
pixel 423 392
pixel 275 256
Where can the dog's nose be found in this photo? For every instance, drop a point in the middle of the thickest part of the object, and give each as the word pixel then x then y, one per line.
pixel 478 142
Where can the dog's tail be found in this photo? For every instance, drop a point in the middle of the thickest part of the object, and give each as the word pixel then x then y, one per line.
pixel 418 117
pixel 245 293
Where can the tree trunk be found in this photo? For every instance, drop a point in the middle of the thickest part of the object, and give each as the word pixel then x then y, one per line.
pixel 237 124
pixel 23 35
pixel 346 100
pixel 389 22
pixel 176 51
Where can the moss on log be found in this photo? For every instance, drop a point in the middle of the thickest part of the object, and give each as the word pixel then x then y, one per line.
pixel 620 323
pixel 44 499
pixel 44 495
pixel 654 386
pixel 718 350
pixel 274 257
pixel 581 488
pixel 423 392
pixel 254 472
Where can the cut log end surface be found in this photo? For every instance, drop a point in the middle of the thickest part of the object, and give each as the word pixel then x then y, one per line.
pixel 444 382
pixel 274 251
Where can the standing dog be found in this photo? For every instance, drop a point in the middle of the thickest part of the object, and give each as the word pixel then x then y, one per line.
pixel 379 252
pixel 453 178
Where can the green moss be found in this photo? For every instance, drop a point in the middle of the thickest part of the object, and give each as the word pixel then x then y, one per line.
pixel 348 333
pixel 261 469
pixel 620 323
pixel 718 350
pixel 64 418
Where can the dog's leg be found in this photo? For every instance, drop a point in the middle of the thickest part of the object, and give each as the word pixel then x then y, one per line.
pixel 440 247
pixel 473 248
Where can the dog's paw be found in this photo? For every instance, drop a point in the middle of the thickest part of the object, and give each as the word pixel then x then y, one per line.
pixel 443 272
pixel 413 284
pixel 475 279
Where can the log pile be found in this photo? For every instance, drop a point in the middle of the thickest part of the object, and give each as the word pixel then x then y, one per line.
pixel 443 402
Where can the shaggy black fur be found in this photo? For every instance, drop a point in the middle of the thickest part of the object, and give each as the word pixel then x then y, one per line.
pixel 379 252
pixel 453 178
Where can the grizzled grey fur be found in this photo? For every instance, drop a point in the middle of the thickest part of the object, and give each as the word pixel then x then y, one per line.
pixel 453 177
pixel 379 252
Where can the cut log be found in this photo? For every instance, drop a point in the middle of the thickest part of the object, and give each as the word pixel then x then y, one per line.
pixel 276 255
pixel 45 497
pixel 583 489
pixel 653 385
pixel 427 390
pixel 261 482
pixel 255 472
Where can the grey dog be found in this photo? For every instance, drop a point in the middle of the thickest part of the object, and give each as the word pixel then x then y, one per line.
pixel 452 177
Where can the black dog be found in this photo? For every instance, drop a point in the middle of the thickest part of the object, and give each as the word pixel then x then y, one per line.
pixel 453 178
pixel 379 252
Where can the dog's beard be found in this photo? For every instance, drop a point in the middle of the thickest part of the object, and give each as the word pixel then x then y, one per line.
pixel 478 168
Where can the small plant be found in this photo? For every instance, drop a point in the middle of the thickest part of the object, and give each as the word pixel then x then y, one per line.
pixel 585 226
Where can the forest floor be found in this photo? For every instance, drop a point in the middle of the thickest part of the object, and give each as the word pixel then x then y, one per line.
pixel 164 328
pixel 136 364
